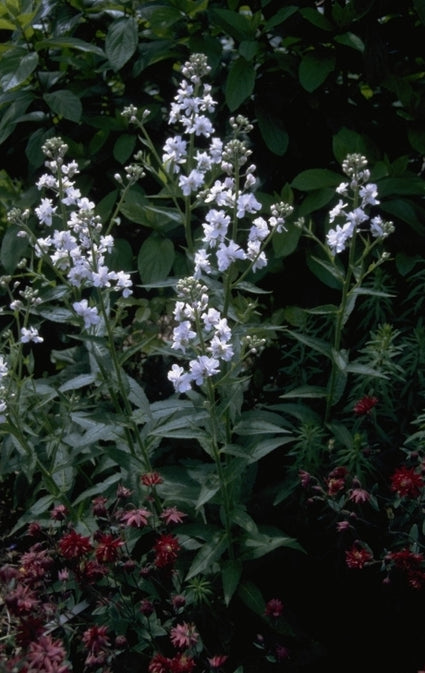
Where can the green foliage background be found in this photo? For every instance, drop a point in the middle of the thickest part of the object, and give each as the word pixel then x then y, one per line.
pixel 319 80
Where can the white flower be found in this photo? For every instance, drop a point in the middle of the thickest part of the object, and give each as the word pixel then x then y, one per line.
pixel 180 379
pixel 254 254
pixel 222 329
pixel 102 277
pixel 211 318
pixel 30 334
pixel 202 367
pixel 123 281
pixel 88 313
pixel 72 196
pixel 339 208
pixel 221 349
pixel 4 370
pixel 182 335
pixel 368 194
pixel 342 189
pixel 45 212
pixel 377 227
pixel 215 227
pixel 174 151
pixel 202 126
pixel 192 182
pixel 247 203
pixel 337 238
pixel 47 181
pixel 202 262
pixel 356 217
pixel 226 254
pixel 259 231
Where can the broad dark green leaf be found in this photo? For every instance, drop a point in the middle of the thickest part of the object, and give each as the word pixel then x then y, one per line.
pixel 124 147
pixel 155 259
pixel 316 178
pixel 273 131
pixel 16 68
pixel 209 553
pixel 121 42
pixel 240 83
pixel 65 104
pixel 231 571
pixel 235 24
pixel 12 248
pixel 280 16
pixel 314 69
pixel 69 43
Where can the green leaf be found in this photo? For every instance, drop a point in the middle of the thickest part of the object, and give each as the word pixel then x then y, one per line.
pixel 314 69
pixel 306 391
pixel 155 259
pixel 364 370
pixel 327 273
pixel 69 43
pixel 405 211
pixel 231 572
pixel 209 553
pixel 273 131
pixel 280 16
pixel 16 68
pixel 252 597
pixel 121 42
pixel 235 24
pixel 13 248
pixel 419 6
pixel 259 544
pixel 318 345
pixel 65 104
pixel 124 147
pixel 77 382
pixel 240 83
pixel 316 18
pixel 350 40
pixel 316 178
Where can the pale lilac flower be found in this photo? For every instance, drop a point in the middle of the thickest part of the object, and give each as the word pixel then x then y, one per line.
pixel 247 203
pixel 45 211
pixel 226 254
pixel 211 318
pixel 183 334
pixel 337 238
pixel 47 181
pixel 202 262
pixel 216 150
pixel 180 379
pixel 72 196
pixel 192 182
pixel 368 194
pixel 220 349
pixel 337 210
pixel 376 227
pixel 259 230
pixel 30 334
pixel 256 255
pixel 123 281
pixel 88 313
pixel 175 152
pixel 216 226
pixel 356 217
pixel 202 126
pixel 203 367
pixel 342 189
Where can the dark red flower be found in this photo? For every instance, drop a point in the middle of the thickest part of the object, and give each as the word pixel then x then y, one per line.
pixel 159 664
pixel 91 571
pixel 406 482
pixel 357 557
pixel 73 545
pixel 99 505
pixel 107 548
pixel 181 663
pixel 35 562
pixel 274 608
pixel 166 550
pixel 22 600
pixel 365 405
pixel 217 661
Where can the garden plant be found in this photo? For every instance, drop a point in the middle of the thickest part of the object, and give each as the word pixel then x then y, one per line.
pixel 211 372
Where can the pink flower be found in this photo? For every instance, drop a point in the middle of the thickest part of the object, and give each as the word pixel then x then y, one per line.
pixel 365 405
pixel 73 545
pixel 282 652
pixel 359 495
pixel 136 518
pixel 305 478
pixel 99 505
pixel 47 655
pixel 184 635
pixel 274 608
pixel 58 513
pixel 95 638
pixel 172 515
pixel 123 492
pixel 35 562
pixel 151 479
pixel 217 661
pixel 22 600
pixel 406 482
pixel 357 557
pixel 107 548
pixel 342 525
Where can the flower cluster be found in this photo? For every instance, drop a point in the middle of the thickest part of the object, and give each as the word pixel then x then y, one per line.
pixel 201 328
pixel 76 247
pixel 4 372
pixel 128 565
pixel 362 194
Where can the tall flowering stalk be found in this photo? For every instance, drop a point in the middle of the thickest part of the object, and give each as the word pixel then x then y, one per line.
pixel 357 234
